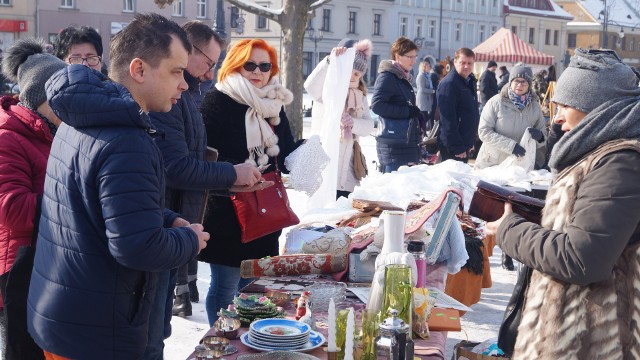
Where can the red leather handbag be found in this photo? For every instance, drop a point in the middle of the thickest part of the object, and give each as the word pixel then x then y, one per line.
pixel 265 211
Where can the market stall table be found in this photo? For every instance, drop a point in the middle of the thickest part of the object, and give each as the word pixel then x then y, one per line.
pixel 428 349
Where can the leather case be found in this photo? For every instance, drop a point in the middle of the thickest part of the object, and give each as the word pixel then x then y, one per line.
pixel 444 320
pixel 488 203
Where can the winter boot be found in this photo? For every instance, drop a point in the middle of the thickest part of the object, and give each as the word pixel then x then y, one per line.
pixel 193 292
pixel 182 305
pixel 507 262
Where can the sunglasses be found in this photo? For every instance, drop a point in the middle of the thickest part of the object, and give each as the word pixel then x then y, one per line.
pixel 251 66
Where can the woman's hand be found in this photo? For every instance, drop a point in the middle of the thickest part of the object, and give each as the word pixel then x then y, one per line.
pixel 339 50
pixel 492 227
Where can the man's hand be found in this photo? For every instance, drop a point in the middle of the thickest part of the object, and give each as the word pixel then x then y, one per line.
pixel 246 174
pixel 260 185
pixel 180 222
pixel 203 236
pixel 461 155
pixel 491 228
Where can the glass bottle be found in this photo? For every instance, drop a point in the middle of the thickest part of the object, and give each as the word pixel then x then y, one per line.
pixel 398 292
pixel 416 248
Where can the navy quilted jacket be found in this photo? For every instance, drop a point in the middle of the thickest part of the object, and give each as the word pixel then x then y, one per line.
pixel 102 230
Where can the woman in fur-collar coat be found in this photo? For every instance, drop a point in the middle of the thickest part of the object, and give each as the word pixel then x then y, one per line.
pixel 583 301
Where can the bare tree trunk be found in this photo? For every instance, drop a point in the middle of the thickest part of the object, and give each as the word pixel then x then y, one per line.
pixel 293 25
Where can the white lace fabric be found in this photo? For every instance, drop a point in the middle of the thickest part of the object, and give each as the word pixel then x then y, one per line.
pixel 305 166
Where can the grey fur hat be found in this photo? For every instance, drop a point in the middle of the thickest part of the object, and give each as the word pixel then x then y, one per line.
pixel 582 83
pixel 363 53
pixel 27 63
pixel 521 70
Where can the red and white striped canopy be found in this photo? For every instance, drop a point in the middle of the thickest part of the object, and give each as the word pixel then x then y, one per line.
pixel 505 46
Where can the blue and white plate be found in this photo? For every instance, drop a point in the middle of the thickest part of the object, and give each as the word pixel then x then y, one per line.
pixel 315 340
pixel 278 340
pixel 280 328
pixel 271 344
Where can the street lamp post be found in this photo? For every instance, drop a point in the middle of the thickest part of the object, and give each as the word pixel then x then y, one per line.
pixel 311 34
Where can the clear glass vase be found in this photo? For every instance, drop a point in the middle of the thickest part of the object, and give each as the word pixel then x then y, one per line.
pixel 398 293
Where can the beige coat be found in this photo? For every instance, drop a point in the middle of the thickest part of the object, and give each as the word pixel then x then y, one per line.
pixel 362 126
pixel 501 127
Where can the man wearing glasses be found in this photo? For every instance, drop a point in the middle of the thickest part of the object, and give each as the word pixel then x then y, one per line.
pixel 79 45
pixel 189 178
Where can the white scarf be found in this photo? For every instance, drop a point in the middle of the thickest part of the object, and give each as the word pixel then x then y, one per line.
pixel 263 103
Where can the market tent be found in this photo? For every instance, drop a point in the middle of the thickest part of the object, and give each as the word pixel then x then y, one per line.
pixel 505 46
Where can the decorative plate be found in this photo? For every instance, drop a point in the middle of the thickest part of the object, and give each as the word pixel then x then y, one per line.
pixel 281 328
pixel 278 355
pixel 279 340
pixel 315 340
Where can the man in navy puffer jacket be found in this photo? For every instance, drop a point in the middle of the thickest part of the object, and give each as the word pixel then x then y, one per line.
pixel 104 232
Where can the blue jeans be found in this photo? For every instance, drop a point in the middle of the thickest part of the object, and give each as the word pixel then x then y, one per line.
pixel 160 318
pixel 225 284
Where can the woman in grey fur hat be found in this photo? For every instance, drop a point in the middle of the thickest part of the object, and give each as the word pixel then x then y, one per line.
pixel 583 300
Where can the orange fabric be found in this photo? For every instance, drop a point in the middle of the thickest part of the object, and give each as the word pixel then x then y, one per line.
pixel 466 286
pixel 50 356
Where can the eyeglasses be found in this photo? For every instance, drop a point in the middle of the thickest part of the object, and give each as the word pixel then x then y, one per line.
pixel 410 57
pixel 79 60
pixel 213 63
pixel 251 66
pixel 521 82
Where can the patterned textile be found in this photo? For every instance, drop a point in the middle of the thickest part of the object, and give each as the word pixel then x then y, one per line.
pixel 299 264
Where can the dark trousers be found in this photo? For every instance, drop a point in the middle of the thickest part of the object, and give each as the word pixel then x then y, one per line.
pixel 446 155
pixel 186 274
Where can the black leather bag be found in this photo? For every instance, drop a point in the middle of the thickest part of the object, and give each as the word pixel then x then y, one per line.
pixel 513 312
pixel 396 131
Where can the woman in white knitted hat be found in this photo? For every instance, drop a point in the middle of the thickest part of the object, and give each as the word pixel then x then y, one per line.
pixel 355 120
pixel 583 300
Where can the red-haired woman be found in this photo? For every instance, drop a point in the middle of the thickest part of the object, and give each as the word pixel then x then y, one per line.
pixel 245 121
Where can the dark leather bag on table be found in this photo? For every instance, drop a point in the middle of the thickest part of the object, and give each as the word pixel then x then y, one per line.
pixel 265 211
pixel 513 312
pixel 488 201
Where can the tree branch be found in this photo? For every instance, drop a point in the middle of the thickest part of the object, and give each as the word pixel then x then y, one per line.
pixel 317 4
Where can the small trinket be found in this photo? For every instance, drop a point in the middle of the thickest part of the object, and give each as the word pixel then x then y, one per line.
pixel 301 308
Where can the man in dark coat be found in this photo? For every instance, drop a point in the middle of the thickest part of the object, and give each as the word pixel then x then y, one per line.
pixel 458 102
pixel 104 233
pixel 488 83
pixel 504 77
pixel 189 177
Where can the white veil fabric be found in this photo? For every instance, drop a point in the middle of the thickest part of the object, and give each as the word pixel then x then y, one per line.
pixel 334 95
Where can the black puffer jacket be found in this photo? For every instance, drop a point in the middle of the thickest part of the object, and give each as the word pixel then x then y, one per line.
pixel 224 121
pixel 391 98
pixel 183 142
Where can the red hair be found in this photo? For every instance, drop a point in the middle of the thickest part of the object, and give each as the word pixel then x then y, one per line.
pixel 240 53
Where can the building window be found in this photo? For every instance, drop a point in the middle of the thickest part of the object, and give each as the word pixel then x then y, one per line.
pixel 66 3
pixel 403 25
pixel 261 22
pixel 5 2
pixel 418 28
pixel 631 44
pixel 623 43
pixel 494 29
pixel 458 35
pixel 572 40
pixel 532 35
pixel 547 37
pixel 127 6
pixel 233 17
pixel 482 31
pixel 483 3
pixel 201 9
pixel 307 63
pixel 556 35
pixel 514 29
pixel 495 3
pixel 178 8
pixel 373 69
pixel 377 19
pixel 432 29
pixel 352 22
pixel 326 20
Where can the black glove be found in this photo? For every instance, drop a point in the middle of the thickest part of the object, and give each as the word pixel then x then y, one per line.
pixel 536 134
pixel 519 151
pixel 414 111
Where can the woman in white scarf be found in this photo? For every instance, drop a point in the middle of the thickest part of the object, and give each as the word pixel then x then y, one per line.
pixel 245 122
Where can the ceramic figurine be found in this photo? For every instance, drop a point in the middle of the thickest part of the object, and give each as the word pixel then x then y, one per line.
pixel 301 308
